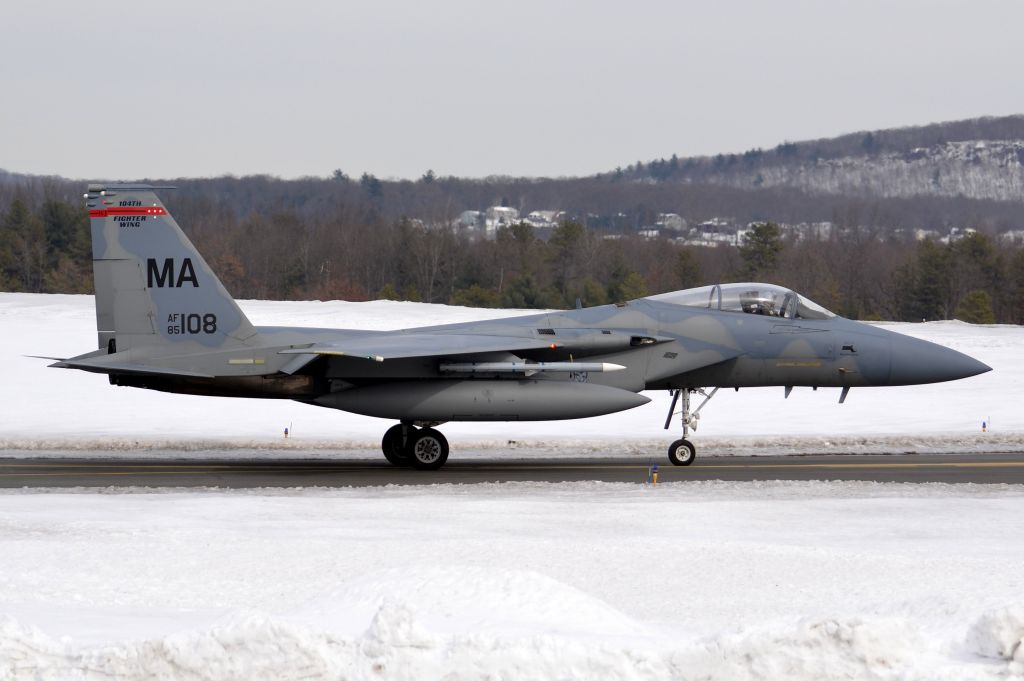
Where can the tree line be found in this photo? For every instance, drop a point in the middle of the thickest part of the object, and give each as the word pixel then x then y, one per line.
pixel 351 250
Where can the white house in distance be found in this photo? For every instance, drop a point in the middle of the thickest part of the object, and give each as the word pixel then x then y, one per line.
pixel 470 220
pixel 958 233
pixel 540 219
pixel 671 222
pixel 498 217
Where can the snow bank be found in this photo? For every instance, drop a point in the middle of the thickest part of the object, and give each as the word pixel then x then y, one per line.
pixel 396 646
pixel 525 449
pixel 1000 634
pixel 50 409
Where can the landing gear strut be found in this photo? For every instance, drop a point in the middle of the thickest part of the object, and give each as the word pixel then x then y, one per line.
pixel 422 448
pixel 682 452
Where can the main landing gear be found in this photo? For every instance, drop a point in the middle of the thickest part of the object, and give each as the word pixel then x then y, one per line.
pixel 422 448
pixel 682 452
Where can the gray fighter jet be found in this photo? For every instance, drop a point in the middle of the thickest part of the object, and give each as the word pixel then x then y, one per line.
pixel 166 323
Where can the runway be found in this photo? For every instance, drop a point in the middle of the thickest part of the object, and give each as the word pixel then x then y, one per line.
pixel 267 472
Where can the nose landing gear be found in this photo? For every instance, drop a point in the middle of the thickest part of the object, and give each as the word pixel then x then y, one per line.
pixel 422 448
pixel 682 452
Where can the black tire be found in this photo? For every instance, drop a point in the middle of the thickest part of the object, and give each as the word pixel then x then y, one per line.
pixel 681 453
pixel 391 444
pixel 428 450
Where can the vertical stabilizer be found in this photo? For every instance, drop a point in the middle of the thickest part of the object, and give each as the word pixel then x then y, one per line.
pixel 152 286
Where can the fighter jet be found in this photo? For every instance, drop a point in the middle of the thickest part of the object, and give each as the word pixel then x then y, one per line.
pixel 165 322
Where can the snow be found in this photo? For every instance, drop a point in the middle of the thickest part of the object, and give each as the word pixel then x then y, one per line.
pixel 83 412
pixel 792 580
pixel 585 580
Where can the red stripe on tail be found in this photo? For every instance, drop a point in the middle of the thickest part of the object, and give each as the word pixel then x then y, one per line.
pixel 104 212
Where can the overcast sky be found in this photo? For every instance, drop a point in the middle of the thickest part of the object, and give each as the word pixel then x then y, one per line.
pixel 119 90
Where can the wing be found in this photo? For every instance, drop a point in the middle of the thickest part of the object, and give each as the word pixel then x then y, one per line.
pixel 404 345
pixel 397 345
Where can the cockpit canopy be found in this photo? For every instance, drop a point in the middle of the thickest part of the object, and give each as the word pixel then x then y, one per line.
pixel 762 299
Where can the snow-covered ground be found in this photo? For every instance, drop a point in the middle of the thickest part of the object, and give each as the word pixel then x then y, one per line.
pixel 51 409
pixel 774 580
pixel 781 580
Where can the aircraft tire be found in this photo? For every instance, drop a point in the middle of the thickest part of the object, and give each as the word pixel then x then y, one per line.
pixel 391 444
pixel 682 453
pixel 428 450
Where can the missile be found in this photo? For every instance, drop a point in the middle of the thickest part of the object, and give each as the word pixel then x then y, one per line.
pixel 482 400
pixel 528 368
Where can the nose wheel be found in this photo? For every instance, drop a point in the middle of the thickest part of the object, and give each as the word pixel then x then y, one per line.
pixel 405 445
pixel 682 452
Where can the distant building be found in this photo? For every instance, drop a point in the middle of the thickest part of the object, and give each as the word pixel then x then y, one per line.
pixel 817 231
pixel 498 217
pixel 670 221
pixel 958 233
pixel 541 219
pixel 470 220
pixel 1013 236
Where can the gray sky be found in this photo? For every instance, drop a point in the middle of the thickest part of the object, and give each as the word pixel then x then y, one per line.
pixel 183 88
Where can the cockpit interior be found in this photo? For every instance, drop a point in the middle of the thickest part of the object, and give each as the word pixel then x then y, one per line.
pixel 752 298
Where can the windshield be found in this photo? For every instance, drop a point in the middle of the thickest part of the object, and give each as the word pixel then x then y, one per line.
pixel 752 298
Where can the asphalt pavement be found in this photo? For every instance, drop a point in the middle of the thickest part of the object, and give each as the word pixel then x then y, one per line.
pixel 266 471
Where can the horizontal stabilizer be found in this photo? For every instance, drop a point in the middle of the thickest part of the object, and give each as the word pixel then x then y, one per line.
pixel 399 346
pixel 117 365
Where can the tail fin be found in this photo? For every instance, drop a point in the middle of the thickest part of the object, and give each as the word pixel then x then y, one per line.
pixel 152 286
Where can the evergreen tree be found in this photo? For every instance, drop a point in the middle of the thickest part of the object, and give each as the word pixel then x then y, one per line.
pixel 374 187
pixel 760 250
pixel 976 308
pixel 22 248
pixel 593 293
pixel 475 296
pixel 688 269
pixel 1014 307
pixel 631 287
pixel 522 292
pixel 388 292
pixel 923 283
pixel 565 246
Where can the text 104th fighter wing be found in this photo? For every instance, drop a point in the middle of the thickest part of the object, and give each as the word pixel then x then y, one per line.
pixel 165 322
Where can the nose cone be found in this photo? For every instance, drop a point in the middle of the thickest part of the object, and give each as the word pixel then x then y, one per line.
pixel 917 361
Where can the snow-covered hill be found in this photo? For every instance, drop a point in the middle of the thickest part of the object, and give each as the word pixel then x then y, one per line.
pixel 978 169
